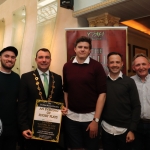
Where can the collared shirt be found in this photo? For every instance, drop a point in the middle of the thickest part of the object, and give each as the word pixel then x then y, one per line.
pixel 87 61
pixel 77 116
pixel 112 129
pixel 41 75
pixel 109 128
pixel 144 94
pixel 119 76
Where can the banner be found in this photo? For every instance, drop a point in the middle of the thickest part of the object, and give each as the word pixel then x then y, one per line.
pixel 47 120
pixel 104 41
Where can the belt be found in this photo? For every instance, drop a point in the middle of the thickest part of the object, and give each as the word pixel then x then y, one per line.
pixel 145 120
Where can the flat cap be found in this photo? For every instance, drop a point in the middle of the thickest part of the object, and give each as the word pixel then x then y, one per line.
pixel 9 48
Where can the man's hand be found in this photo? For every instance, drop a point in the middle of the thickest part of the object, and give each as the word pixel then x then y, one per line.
pixel 27 134
pixel 64 110
pixel 130 137
pixel 93 129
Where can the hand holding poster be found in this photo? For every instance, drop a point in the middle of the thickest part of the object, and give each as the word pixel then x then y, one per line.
pixel 47 121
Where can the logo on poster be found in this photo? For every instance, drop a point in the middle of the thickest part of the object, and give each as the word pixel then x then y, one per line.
pixel 96 35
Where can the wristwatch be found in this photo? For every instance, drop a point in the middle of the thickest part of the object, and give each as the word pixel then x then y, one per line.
pixel 96 120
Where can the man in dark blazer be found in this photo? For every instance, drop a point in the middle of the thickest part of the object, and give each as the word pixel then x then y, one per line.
pixel 32 88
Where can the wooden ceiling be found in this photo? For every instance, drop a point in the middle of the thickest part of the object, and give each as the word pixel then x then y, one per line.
pixel 145 21
pixel 137 10
pixel 126 10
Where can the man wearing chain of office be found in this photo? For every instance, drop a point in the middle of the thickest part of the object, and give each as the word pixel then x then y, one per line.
pixel 32 88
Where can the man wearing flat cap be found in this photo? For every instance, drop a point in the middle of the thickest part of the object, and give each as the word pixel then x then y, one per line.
pixel 9 87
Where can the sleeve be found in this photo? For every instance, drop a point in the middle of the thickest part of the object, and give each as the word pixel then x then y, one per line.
pixel 64 79
pixel 61 94
pixel 135 105
pixel 23 105
pixel 100 79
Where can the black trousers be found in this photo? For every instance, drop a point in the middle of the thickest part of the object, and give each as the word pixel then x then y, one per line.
pixel 115 142
pixel 77 136
pixel 142 136
pixel 8 142
pixel 31 144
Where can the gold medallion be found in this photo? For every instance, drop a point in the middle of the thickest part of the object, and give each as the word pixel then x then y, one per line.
pixel 39 89
pixel 37 83
pixel 36 78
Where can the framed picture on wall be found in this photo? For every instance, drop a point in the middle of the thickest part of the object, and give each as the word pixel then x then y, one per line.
pixel 137 49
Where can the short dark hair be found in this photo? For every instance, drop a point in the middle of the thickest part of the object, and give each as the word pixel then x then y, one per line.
pixel 44 50
pixel 84 39
pixel 140 55
pixel 114 53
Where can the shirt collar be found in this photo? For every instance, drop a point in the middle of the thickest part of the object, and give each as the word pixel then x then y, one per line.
pixel 40 72
pixel 119 76
pixel 146 78
pixel 87 61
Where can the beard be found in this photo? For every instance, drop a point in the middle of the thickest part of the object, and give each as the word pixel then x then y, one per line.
pixel 7 67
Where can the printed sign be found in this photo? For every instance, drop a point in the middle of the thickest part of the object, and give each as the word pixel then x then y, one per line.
pixel 47 120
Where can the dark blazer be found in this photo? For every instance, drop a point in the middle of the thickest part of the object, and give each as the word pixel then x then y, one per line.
pixel 29 93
